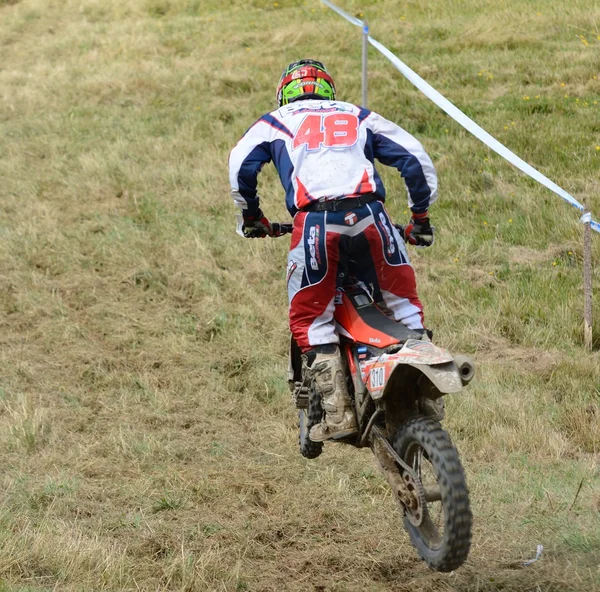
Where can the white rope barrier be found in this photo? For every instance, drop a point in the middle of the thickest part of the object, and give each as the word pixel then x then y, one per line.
pixel 466 121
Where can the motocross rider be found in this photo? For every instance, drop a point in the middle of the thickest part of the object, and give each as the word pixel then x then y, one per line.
pixel 324 151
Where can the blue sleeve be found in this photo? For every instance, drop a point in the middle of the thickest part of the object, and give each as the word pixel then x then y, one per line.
pixel 391 154
pixel 246 160
pixel 248 175
pixel 395 147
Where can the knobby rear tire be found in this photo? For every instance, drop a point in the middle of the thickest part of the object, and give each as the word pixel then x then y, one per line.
pixel 307 418
pixel 448 550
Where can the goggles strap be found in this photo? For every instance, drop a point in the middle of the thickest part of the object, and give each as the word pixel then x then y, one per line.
pixel 306 73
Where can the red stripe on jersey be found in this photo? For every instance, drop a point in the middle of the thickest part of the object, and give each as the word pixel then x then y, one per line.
pixel 365 186
pixel 303 197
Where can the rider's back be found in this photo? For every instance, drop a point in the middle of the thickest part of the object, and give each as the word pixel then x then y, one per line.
pixel 326 150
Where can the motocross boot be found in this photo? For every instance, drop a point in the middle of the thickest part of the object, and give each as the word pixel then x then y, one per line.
pixel 327 371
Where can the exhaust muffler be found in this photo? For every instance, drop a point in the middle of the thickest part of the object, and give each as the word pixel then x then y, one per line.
pixel 466 368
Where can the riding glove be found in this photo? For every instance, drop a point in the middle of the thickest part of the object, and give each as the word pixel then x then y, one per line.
pixel 256 226
pixel 419 231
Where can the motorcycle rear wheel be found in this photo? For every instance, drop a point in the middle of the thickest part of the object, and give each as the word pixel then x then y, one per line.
pixel 442 536
pixel 307 418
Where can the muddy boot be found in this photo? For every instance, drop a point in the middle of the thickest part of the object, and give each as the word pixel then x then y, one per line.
pixel 327 371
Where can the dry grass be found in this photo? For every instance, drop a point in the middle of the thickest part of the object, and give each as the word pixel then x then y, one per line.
pixel 146 433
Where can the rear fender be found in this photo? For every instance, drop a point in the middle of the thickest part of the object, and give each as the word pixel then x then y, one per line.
pixel 432 381
pixel 418 363
pixel 441 379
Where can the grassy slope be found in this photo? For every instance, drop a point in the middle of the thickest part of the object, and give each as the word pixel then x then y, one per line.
pixel 146 436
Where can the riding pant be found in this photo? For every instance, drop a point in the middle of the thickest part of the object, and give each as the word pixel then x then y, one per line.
pixel 327 245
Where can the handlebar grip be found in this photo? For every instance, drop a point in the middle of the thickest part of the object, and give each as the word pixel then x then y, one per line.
pixel 281 228
pixel 402 230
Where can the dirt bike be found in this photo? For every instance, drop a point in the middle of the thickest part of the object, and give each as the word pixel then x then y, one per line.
pixel 397 378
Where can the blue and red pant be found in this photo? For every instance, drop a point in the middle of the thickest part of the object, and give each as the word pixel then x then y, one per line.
pixel 363 243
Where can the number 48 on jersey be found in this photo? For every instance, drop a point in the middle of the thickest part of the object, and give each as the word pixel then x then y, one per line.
pixel 337 130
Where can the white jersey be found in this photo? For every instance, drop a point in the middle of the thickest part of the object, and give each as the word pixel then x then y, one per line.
pixel 325 150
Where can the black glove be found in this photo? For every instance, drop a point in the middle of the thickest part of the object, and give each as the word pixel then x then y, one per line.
pixel 419 231
pixel 256 226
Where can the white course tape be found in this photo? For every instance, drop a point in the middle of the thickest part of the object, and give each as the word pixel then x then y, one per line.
pixel 461 118
pixel 538 553
pixel 348 17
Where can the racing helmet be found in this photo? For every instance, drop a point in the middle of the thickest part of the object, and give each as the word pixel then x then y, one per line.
pixel 305 79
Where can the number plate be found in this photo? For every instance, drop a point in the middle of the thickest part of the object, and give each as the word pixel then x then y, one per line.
pixel 377 377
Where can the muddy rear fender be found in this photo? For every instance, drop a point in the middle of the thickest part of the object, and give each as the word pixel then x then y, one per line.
pixel 432 381
pixel 439 380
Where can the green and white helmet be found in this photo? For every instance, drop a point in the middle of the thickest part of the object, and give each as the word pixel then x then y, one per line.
pixel 305 79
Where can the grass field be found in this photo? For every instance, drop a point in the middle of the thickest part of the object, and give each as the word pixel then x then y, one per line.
pixel 147 438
